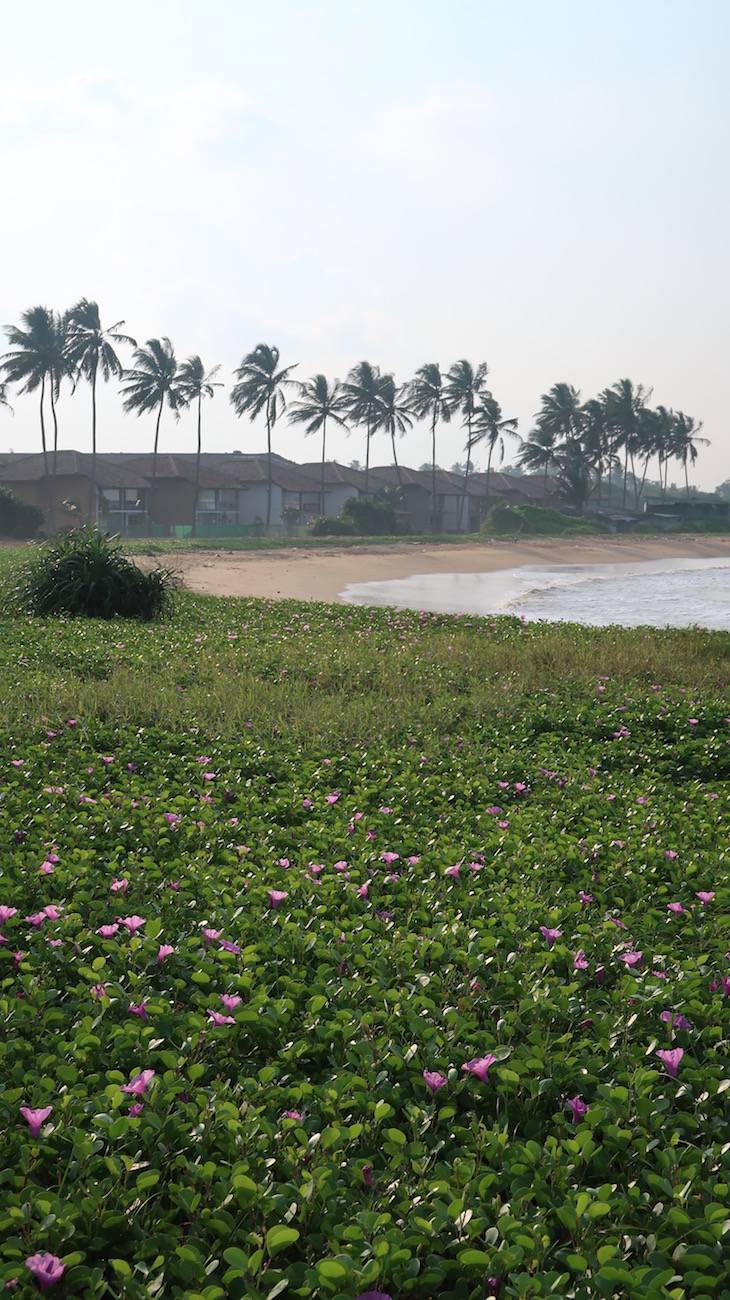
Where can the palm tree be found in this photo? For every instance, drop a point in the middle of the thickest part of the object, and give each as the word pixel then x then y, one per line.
pixel 393 414
pixel 595 438
pixel 685 442
pixel 194 384
pixel 662 422
pixel 90 349
pixel 261 387
pixel 538 452
pixel 362 398
pixel 464 387
pixel 491 428
pixel 148 385
pixel 561 412
pixel 35 362
pixel 623 404
pixel 4 399
pixel 575 466
pixel 428 400
pixel 319 402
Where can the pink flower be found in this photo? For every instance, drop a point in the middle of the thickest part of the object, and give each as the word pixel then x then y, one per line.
pixel 367 1176
pixel 479 1066
pixel 550 935
pixel 705 896
pixel 227 946
pixel 166 950
pixel 136 1109
pixel 120 886
pixel 98 991
pixel 219 1019
pixel 671 1060
pixel 230 1001
pixel 36 919
pixel 36 1118
pixel 670 855
pixel 389 858
pixel 139 1009
pixel 7 913
pixel 453 871
pixel 276 897
pixel 332 798
pixel 632 959
pixel 679 1021
pixel 362 892
pixel 293 1114
pixel 434 1080
pixel 578 1108
pixel 585 899
pixel 46 868
pixel 138 1085
pixel 108 931
pixel 46 1268
pixel 210 935
pixel 579 960
pixel 133 923
pixel 677 909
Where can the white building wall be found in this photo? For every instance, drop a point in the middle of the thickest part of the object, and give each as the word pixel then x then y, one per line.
pixel 252 503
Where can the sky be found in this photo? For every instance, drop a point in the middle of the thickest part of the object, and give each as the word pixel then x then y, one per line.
pixel 543 185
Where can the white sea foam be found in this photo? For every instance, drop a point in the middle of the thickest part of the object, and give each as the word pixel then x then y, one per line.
pixel 657 593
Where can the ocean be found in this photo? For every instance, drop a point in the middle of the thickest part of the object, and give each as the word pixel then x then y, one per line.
pixel 655 593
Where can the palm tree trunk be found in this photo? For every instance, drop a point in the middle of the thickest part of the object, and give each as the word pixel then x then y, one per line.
pixel 544 483
pixel 395 458
pixel 153 503
pixel 93 503
pixel 197 466
pixel 49 488
pixel 367 456
pixel 55 435
pixel 626 476
pixel 433 472
pixel 686 477
pixel 324 435
pixel 269 467
pixel 462 499
pixel 661 481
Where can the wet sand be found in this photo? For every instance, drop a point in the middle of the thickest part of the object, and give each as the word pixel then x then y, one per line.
pixel 324 574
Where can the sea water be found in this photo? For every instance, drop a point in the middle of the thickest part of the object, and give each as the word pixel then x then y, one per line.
pixel 657 593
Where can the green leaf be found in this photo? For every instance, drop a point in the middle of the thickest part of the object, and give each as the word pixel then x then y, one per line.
pixel 280 1237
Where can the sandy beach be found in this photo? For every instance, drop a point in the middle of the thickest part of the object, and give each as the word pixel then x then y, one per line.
pixel 324 574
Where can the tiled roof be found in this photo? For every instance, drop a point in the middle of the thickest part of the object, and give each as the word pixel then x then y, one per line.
pixel 69 464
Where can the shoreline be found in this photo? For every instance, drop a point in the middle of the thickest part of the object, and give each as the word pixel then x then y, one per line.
pixel 324 575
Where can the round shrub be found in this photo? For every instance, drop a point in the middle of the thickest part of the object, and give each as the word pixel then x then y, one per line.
pixel 85 573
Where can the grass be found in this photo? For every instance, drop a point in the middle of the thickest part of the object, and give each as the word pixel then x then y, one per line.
pixel 388 920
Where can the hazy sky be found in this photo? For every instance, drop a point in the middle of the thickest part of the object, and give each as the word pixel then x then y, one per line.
pixel 540 184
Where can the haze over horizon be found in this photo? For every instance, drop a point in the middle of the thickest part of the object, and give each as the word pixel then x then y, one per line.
pixel 541 187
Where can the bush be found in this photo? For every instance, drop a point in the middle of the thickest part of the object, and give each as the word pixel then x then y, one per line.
pixel 18 518
pixel 375 516
pixel 85 573
pixel 533 521
pixel 331 526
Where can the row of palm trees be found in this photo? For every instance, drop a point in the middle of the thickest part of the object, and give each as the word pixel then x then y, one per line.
pixel 581 441
pixel 587 442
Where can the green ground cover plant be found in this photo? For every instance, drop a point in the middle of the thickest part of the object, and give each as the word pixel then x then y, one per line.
pixel 427 996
